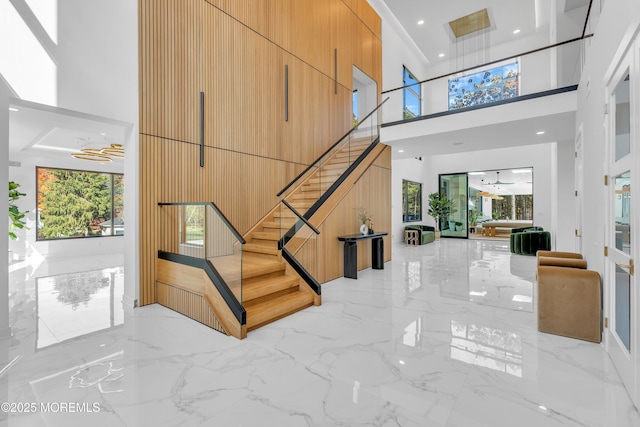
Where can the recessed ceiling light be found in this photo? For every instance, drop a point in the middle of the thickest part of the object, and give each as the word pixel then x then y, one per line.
pixel 400 151
pixel 103 134
pixel 420 22
pixel 441 55
pixel 13 109
pixel 516 31
pixel 520 170
pixel 540 133
pixel 401 362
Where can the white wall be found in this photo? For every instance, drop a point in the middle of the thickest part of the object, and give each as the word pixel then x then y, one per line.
pixel 565 195
pixel 26 244
pixel 617 21
pixel 412 170
pixel 542 157
pixel 95 52
pixel 5 330
pixel 397 50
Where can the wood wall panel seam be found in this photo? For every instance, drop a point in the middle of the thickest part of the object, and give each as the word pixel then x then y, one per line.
pixel 181 45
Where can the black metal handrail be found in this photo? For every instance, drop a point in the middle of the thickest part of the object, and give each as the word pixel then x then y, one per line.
pixel 234 305
pixel 540 49
pixel 303 219
pixel 482 106
pixel 213 205
pixel 330 149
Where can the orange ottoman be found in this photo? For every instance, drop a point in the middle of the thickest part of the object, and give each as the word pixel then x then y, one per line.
pixel 570 302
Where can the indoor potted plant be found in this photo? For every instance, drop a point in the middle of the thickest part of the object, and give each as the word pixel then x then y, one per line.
pixel 473 220
pixel 15 216
pixel 439 207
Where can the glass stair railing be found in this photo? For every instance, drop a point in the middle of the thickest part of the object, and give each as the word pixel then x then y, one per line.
pixel 311 187
pixel 199 235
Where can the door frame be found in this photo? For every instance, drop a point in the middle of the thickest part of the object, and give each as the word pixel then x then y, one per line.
pixel 626 60
pixel 579 184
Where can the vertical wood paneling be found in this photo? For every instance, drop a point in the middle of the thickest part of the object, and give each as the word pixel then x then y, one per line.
pixel 370 192
pixel 189 304
pixel 235 51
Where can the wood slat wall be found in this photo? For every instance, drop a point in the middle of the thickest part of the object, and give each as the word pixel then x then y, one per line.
pixel 372 192
pixel 235 51
pixel 189 304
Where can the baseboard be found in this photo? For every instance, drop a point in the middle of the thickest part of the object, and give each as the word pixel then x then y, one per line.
pixel 129 302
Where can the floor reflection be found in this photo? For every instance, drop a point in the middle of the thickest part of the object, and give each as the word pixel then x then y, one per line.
pixel 487 347
pixel 75 304
pixel 486 276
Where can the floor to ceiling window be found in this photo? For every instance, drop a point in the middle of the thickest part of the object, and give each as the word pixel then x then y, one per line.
pixel 492 195
pixel 411 95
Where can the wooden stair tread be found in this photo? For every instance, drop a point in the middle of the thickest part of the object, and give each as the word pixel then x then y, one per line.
pixel 265 235
pixel 277 226
pixel 341 165
pixel 261 248
pixel 256 264
pixel 301 204
pixel 259 287
pixel 271 309
pixel 324 183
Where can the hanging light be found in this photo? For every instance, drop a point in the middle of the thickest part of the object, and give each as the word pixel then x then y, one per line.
pixel 101 155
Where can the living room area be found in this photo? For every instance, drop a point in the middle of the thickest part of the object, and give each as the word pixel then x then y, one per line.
pixel 485 204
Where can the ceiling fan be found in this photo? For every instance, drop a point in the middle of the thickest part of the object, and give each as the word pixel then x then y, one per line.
pixel 498 181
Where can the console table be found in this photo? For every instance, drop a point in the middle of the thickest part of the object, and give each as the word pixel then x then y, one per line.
pixel 351 252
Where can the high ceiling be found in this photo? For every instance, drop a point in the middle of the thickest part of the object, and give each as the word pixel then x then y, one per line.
pixel 516 27
pixel 533 19
pixel 503 182
pixel 40 131
pixel 36 129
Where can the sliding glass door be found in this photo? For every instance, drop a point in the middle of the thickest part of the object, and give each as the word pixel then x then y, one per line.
pixel 455 188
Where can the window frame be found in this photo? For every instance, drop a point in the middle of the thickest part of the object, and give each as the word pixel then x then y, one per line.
pixel 408 88
pixel 112 179
pixel 405 201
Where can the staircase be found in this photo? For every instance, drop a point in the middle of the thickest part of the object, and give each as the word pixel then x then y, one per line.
pixel 271 290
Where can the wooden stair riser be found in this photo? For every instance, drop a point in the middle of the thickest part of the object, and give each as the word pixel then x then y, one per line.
pixel 279 224
pixel 320 182
pixel 268 310
pixel 261 249
pixel 301 205
pixel 260 287
pixel 271 266
pixel 264 235
pixel 341 165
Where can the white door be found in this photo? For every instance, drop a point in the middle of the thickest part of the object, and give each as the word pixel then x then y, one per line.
pixel 621 230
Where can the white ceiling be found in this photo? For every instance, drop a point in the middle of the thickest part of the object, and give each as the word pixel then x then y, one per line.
pixel 35 128
pixel 532 17
pixel 41 131
pixel 515 183
pixel 454 134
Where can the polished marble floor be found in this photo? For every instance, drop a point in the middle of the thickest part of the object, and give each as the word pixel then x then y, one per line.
pixel 445 335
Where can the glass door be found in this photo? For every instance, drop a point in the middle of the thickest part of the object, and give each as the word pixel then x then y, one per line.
pixel 455 188
pixel 620 282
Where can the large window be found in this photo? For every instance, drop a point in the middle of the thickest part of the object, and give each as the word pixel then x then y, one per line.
pixel 75 203
pixel 411 201
pixel 484 87
pixel 411 95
